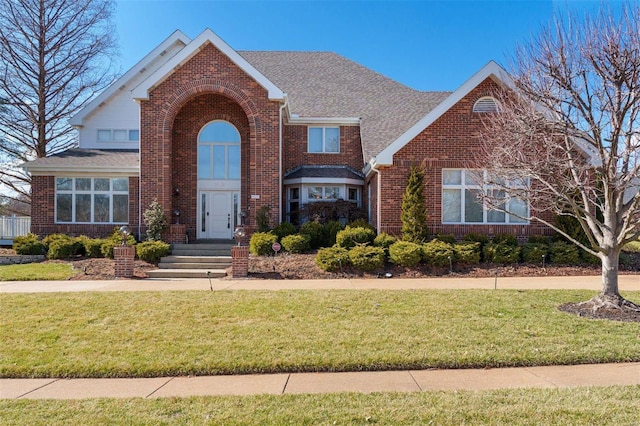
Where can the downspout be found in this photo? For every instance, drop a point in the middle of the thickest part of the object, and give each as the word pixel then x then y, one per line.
pixel 378 194
pixel 280 205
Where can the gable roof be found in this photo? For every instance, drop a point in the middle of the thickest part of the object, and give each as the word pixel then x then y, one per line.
pixel 194 46
pixel 491 70
pixel 326 85
pixel 177 38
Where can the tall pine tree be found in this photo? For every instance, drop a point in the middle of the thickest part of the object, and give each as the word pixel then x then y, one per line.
pixel 414 211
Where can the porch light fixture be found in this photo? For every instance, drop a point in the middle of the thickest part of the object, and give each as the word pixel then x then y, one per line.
pixel 176 213
pixel 124 232
pixel 176 191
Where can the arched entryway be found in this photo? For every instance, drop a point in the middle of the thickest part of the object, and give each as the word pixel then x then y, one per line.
pixel 219 180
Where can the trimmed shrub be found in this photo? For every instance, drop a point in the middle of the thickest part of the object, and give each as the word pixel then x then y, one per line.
pixel 476 238
pixel 405 253
pixel 532 253
pixel 29 245
pixel 591 259
pixel 467 252
pixel 367 258
pixel 539 239
pixel 508 239
pixel 384 240
pixel 298 243
pixel 330 231
pixel 92 246
pixel 262 218
pixel 115 239
pixel 564 253
pixel 261 242
pixel 315 231
pixel 349 236
pixel 446 238
pixel 501 253
pixel 332 258
pixel 437 253
pixel 64 248
pixel 414 208
pixel 152 251
pixel 284 229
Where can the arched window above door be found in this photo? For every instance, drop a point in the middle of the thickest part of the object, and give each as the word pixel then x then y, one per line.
pixel 219 152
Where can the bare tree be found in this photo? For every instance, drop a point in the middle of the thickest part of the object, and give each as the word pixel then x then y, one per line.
pixel 55 57
pixel 567 138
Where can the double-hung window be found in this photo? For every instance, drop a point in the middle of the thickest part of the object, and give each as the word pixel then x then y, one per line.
pixel 461 199
pixel 324 140
pixel 92 200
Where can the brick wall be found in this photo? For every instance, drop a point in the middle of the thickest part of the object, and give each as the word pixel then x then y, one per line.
pixel 452 141
pixel 166 129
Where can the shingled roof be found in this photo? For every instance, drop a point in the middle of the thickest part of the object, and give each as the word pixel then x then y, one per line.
pixel 325 84
pixel 94 160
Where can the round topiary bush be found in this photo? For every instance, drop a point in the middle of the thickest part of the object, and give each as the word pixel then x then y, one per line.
pixel 332 258
pixel 501 253
pixel 467 252
pixel 367 258
pixel 152 251
pixel 405 253
pixel 297 243
pixel 533 252
pixel 261 242
pixel 437 253
pixel 349 237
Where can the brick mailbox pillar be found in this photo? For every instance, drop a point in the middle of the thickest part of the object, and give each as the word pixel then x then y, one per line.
pixel 124 256
pixel 239 261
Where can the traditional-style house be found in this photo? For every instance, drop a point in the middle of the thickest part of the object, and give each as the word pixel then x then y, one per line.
pixel 215 134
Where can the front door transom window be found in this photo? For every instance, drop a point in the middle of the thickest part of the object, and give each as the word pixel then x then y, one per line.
pixel 219 152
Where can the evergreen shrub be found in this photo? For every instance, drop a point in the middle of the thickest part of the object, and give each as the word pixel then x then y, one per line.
pixel 315 231
pixel 261 242
pixel 508 239
pixel 29 245
pixel 405 253
pixel 284 229
pixel 446 238
pixel 152 251
pixel 539 239
pixel 332 258
pixel 367 258
pixel 501 253
pixel 92 246
pixel 532 253
pixel 349 237
pixel 467 252
pixel 384 240
pixel 330 231
pixel 563 253
pixel 64 247
pixel 297 243
pixel 437 253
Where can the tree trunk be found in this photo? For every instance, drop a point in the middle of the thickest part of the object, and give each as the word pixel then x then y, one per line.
pixel 610 273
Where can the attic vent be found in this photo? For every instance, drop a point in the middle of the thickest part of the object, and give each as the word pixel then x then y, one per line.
pixel 486 104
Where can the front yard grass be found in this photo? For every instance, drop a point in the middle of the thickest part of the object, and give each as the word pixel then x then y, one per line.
pixel 36 271
pixel 148 334
pixel 565 406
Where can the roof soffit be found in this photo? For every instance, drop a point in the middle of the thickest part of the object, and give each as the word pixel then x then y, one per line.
pixel 207 36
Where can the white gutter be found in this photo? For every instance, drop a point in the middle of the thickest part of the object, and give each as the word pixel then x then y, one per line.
pixel 294 119
pixel 378 194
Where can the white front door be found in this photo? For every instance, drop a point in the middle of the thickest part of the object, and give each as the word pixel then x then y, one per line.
pixel 217 214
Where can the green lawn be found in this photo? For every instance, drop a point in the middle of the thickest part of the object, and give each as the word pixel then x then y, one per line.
pixel 568 406
pixel 145 334
pixel 36 271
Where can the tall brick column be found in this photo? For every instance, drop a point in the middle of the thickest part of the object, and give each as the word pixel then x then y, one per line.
pixel 239 261
pixel 177 234
pixel 124 256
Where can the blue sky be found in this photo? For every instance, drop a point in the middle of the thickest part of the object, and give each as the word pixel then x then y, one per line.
pixel 425 44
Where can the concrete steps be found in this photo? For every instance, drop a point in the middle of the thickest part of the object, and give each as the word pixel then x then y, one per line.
pixel 200 260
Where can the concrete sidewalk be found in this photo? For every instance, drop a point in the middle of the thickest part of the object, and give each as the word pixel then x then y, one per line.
pixel 626 283
pixel 311 383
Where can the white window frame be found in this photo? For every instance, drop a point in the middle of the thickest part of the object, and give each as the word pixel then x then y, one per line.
pixel 324 140
pixel 131 135
pixel 467 183
pixel 92 192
